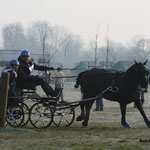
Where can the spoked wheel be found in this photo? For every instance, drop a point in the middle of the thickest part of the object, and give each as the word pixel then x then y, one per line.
pixel 41 115
pixel 64 116
pixel 26 113
pixel 15 116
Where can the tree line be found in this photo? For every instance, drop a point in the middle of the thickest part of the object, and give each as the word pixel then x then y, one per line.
pixel 63 46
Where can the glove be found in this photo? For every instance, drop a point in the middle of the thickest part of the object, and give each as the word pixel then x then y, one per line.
pixel 51 68
pixel 36 77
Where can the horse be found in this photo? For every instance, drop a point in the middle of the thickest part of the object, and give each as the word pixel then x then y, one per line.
pixel 122 87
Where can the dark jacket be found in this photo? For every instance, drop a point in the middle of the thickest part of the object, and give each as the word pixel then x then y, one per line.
pixel 12 84
pixel 12 73
pixel 24 72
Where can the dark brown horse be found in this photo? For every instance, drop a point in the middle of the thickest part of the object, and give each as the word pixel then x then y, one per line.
pixel 122 87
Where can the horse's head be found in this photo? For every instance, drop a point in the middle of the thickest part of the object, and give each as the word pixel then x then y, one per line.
pixel 140 73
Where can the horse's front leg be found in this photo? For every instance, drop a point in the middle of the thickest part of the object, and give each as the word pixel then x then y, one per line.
pixel 123 118
pixel 87 113
pixel 81 116
pixel 139 106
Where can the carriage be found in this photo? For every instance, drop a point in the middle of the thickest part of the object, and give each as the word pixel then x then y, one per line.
pixel 43 111
pixel 43 108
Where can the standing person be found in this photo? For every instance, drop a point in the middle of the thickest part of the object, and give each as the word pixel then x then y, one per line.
pixel 99 105
pixel 59 82
pixel 12 70
pixel 25 77
pixel 142 92
pixel 142 96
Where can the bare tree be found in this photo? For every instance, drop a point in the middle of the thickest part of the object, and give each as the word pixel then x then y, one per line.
pixel 13 36
pixel 94 46
pixel 144 47
pixel 55 42
pixel 33 43
pixel 43 31
pixel 140 48
pixel 59 38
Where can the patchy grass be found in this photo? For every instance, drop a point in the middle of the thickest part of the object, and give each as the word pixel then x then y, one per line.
pixel 104 131
pixel 96 137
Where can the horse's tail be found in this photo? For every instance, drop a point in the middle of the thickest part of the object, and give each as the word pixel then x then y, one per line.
pixel 78 80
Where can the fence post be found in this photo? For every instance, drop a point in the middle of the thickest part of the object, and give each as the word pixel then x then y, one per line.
pixel 4 87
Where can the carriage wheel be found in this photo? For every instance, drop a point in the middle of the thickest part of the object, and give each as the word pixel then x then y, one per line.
pixel 15 116
pixel 41 115
pixel 64 116
pixel 26 113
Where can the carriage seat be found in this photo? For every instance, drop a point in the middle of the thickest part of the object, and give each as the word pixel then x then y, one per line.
pixel 22 91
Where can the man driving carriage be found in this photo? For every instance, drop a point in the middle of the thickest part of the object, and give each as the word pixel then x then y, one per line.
pixel 26 80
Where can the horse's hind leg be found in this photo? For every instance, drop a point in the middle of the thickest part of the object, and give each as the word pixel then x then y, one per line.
pixel 81 116
pixel 86 118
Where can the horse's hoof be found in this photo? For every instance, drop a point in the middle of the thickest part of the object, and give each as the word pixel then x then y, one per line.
pixel 127 125
pixel 79 118
pixel 84 124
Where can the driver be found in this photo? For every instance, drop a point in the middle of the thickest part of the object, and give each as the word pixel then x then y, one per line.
pixel 26 80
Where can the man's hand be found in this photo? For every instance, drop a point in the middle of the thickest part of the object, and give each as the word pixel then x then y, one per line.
pixel 51 68
pixel 36 77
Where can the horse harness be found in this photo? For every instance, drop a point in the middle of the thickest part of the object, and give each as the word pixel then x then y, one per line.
pixel 113 87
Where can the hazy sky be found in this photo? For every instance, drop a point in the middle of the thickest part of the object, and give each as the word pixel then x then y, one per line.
pixel 125 18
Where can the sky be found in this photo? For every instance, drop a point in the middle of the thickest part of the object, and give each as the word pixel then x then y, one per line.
pixel 125 18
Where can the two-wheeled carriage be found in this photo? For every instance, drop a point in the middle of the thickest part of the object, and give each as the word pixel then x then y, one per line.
pixel 42 113
pixel 45 110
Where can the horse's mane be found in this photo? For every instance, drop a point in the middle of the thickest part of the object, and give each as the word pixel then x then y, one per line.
pixel 131 68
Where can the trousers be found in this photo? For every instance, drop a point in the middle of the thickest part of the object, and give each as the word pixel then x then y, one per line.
pixel 45 86
pixel 31 84
pixel 99 104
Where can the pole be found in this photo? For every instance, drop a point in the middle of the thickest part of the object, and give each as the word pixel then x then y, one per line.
pixel 96 45
pixel 4 87
pixel 107 49
pixel 43 48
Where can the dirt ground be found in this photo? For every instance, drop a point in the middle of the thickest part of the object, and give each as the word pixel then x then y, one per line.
pixel 103 132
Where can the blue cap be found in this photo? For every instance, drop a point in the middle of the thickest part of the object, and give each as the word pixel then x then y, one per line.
pixel 14 62
pixel 25 53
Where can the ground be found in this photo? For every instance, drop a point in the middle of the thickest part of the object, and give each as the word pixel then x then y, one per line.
pixel 103 132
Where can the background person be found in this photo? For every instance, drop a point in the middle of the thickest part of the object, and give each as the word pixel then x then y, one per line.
pixel 99 105
pixel 59 82
pixel 142 96
pixel 25 77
